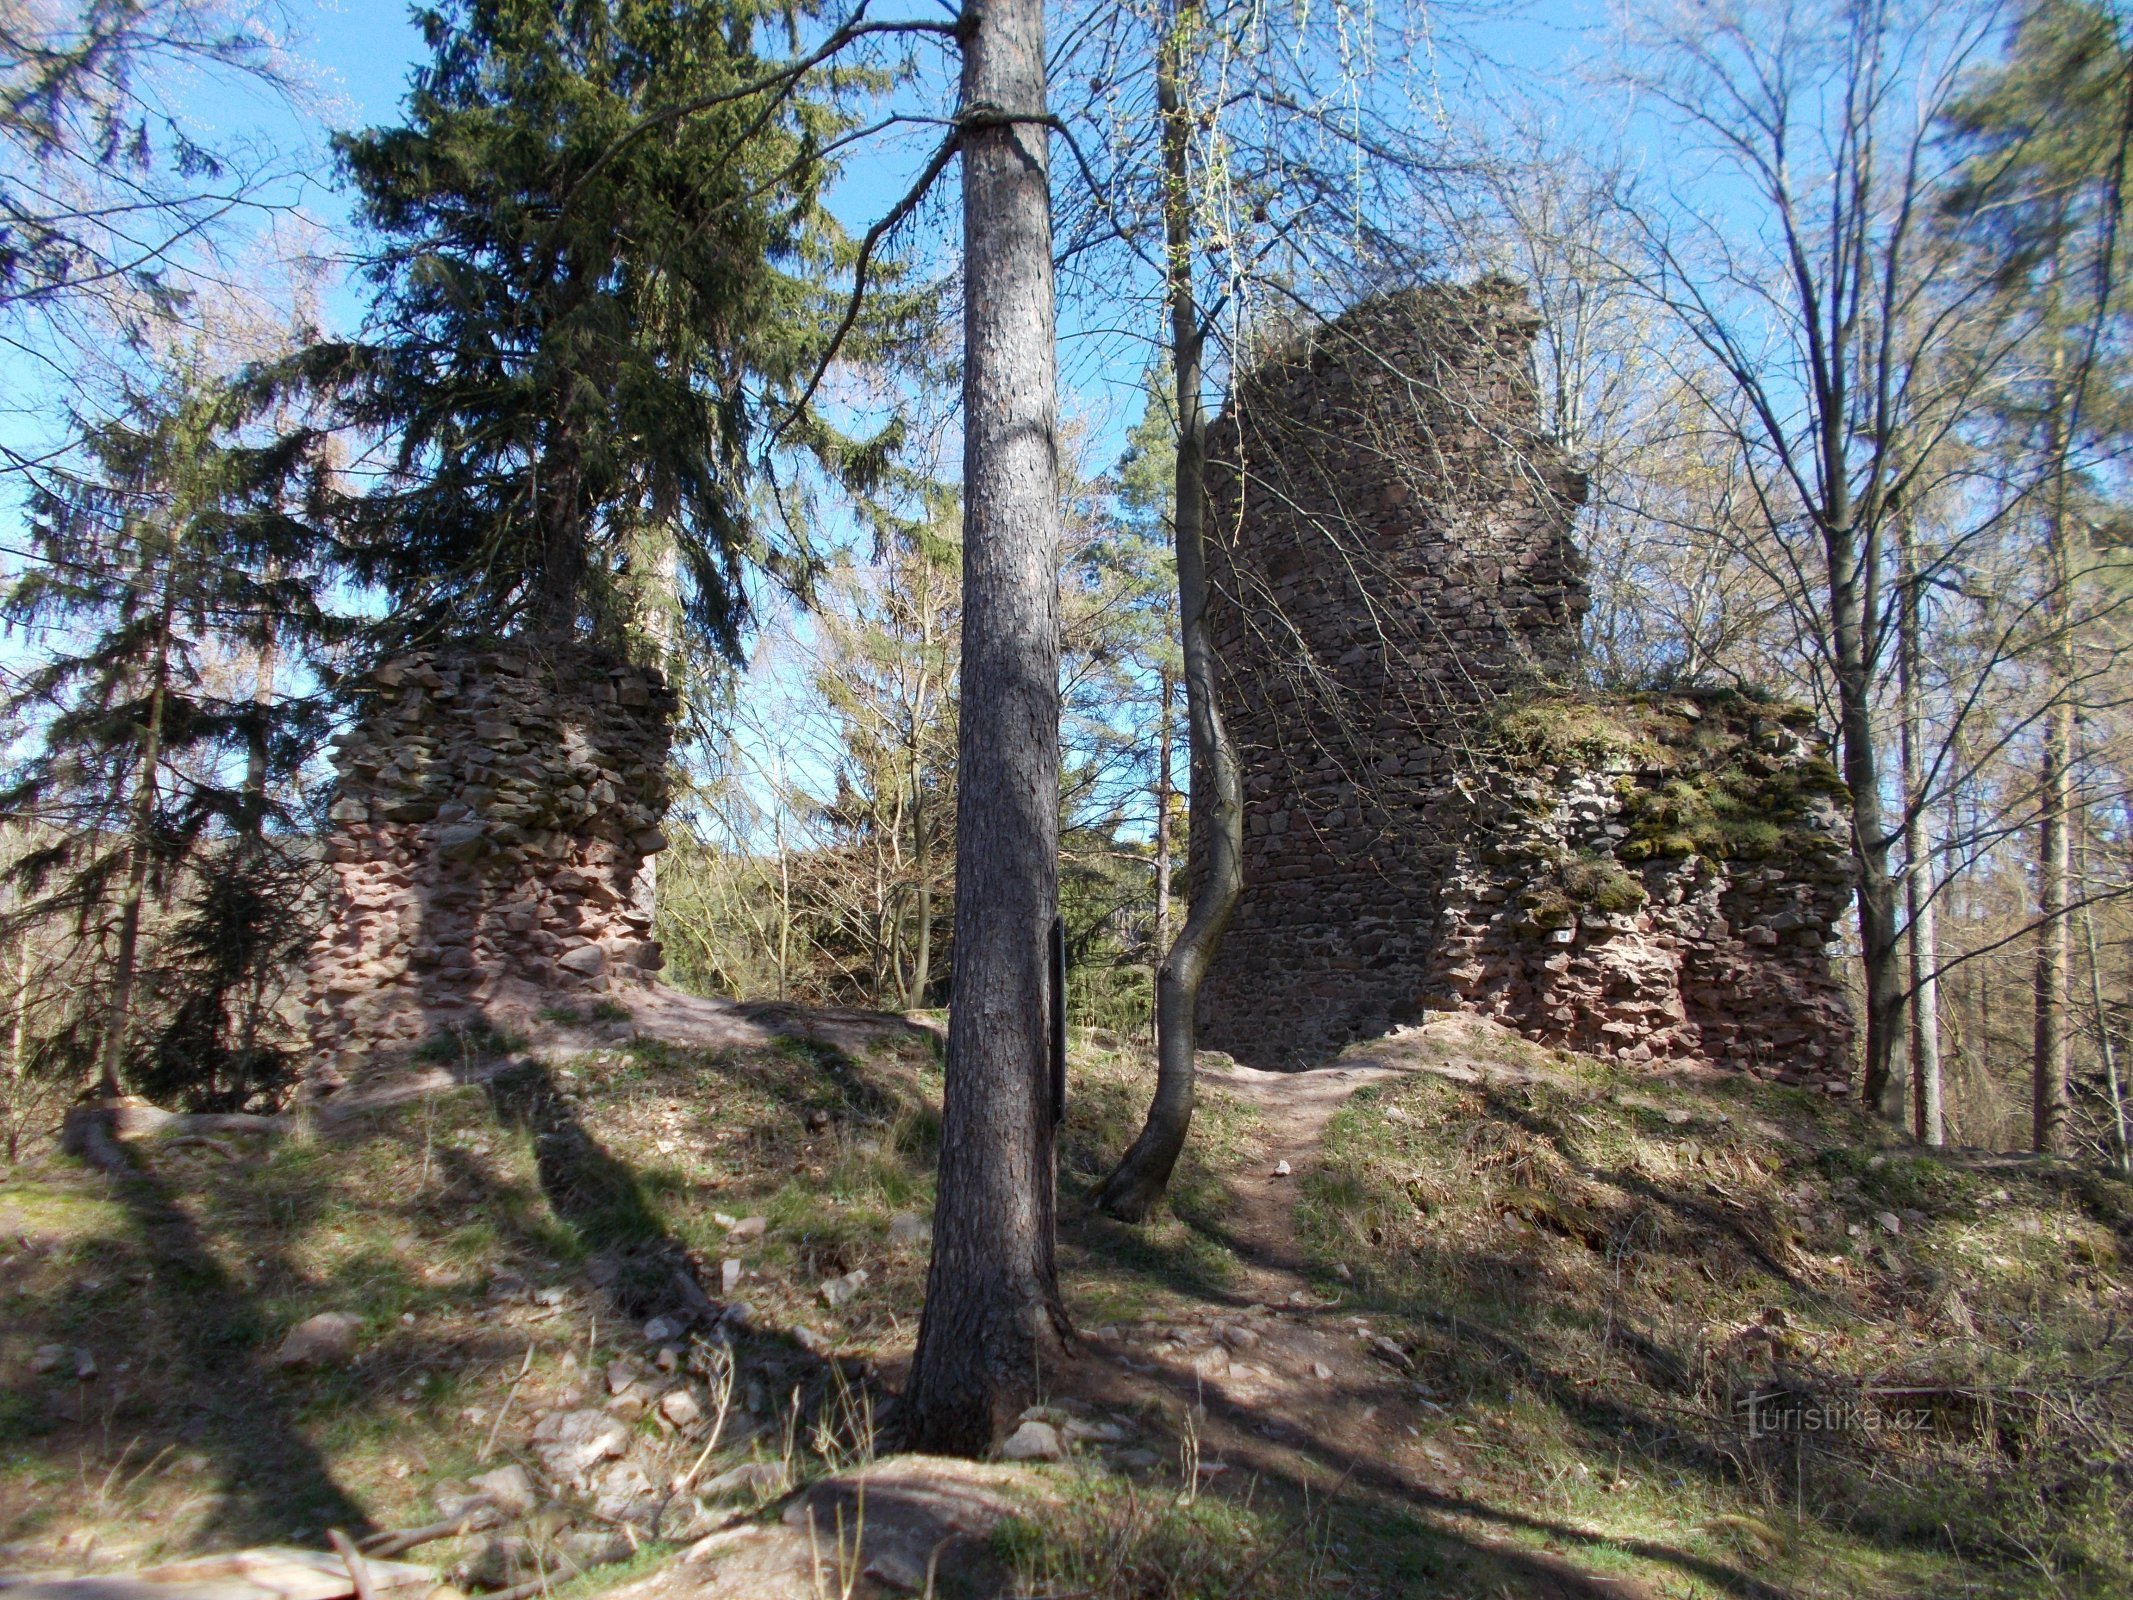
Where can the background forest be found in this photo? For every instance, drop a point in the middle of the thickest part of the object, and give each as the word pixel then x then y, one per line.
pixel 1835 317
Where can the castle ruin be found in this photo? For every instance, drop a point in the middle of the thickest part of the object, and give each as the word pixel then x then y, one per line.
pixel 1435 816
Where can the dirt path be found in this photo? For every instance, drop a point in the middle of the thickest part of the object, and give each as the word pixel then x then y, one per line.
pixel 1294 1108
pixel 1290 1381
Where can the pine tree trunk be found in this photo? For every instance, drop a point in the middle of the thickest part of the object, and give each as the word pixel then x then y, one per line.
pixel 993 1320
pixel 118 1015
pixel 2049 1052
pixel 1926 1118
pixel 1131 1191
pixel 1163 791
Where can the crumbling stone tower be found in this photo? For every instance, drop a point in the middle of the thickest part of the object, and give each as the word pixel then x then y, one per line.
pixel 1434 817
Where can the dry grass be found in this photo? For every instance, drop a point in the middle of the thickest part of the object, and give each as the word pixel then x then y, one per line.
pixel 1588 1268
pixel 1596 1272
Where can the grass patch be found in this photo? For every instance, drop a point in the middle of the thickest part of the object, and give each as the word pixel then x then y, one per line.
pixel 1591 1273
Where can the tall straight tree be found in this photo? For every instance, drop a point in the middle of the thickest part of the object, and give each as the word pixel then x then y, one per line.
pixel 993 1314
pixel 182 533
pixel 2049 137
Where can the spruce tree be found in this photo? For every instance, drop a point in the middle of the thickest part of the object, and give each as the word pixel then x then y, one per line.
pixel 155 770
pixel 596 278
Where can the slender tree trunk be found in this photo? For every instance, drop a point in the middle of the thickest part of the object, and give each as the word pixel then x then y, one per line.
pixel 18 1050
pixel 1142 1176
pixel 1852 616
pixel 2049 1053
pixel 255 737
pixel 921 897
pixel 993 1318
pixel 1926 1119
pixel 2121 1139
pixel 2049 1046
pixel 1163 791
pixel 118 1015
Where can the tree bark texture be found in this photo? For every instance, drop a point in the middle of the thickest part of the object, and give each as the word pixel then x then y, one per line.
pixel 1164 789
pixel 2050 1075
pixel 1927 1122
pixel 1132 1191
pixel 993 1317
pixel 1854 608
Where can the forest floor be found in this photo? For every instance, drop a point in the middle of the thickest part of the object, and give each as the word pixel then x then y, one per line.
pixel 1452 1315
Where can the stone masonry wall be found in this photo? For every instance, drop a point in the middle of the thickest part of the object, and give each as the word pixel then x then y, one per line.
pixel 1661 885
pixel 1394 572
pixel 494 813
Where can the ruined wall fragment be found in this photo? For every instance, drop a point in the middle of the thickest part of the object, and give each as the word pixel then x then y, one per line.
pixel 494 812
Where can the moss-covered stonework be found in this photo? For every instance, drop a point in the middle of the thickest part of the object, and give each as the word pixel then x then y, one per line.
pixel 1429 819
pixel 1656 877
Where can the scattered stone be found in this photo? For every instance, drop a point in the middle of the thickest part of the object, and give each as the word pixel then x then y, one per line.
pixel 548 1297
pixel 836 1292
pixel 756 1479
pixel 729 1275
pixel 510 1489
pixel 580 1440
pixel 597 1547
pixel 326 1340
pixel 47 1358
pixel 1392 1352
pixel 1212 1362
pixel 1677 1116
pixel 749 1228
pixel 1078 1430
pixel 1281 1169
pixel 681 1407
pixel 810 1341
pixel 498 1563
pixel 1236 1335
pixel 455 1502
pixel 660 1329
pixel 1136 1460
pixel 1033 1441
pixel 1321 1371
pixel 621 1373
pixel 1889 1221
pixel 624 1494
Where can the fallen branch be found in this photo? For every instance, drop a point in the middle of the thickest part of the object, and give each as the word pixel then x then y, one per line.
pixel 381 1546
pixel 488 1447
pixel 358 1569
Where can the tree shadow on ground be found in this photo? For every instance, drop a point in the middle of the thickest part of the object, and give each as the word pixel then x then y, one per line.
pixel 195 1315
